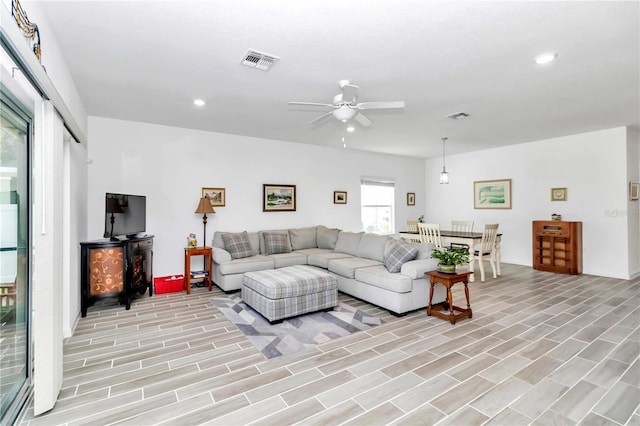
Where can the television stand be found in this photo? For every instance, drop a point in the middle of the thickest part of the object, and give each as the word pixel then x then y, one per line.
pixel 115 269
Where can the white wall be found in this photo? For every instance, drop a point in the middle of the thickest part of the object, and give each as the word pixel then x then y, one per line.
pixel 590 165
pixel 171 165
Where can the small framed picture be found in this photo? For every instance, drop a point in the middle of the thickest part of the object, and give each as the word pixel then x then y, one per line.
pixel 558 194
pixel 634 190
pixel 217 196
pixel 278 198
pixel 411 198
pixel 339 197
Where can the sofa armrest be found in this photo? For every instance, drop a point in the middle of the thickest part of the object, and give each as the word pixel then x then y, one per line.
pixel 221 255
pixel 416 268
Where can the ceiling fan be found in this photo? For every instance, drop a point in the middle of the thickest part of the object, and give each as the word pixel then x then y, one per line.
pixel 345 106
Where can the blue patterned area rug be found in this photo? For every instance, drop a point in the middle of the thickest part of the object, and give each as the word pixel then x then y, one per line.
pixel 293 334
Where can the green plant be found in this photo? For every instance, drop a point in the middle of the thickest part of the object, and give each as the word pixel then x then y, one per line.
pixel 421 218
pixel 450 257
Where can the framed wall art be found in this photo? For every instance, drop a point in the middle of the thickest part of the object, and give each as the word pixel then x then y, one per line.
pixel 558 194
pixel 411 198
pixel 492 194
pixel 634 190
pixel 217 196
pixel 339 197
pixel 278 198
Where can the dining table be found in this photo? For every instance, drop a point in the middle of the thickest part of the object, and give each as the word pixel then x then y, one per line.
pixel 470 239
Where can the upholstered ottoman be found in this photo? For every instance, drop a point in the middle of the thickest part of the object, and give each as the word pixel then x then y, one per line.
pixel 290 291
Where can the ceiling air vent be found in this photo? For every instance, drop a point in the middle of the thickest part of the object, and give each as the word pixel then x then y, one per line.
pixel 259 60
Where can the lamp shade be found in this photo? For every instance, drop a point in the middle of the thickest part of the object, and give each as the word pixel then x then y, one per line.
pixel 113 206
pixel 204 206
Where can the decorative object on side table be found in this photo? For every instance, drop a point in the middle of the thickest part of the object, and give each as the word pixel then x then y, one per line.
pixel 411 198
pixel 555 216
pixel 421 219
pixel 449 259
pixel 203 208
pixel 339 197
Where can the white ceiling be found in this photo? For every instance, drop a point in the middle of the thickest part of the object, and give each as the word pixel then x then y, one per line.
pixel 147 60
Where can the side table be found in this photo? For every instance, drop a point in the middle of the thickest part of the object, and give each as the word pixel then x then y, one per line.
pixel 448 280
pixel 197 251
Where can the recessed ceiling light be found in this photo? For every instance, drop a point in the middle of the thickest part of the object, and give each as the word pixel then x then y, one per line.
pixel 351 129
pixel 198 102
pixel 545 58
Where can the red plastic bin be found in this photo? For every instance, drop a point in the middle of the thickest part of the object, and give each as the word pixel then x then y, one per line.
pixel 169 284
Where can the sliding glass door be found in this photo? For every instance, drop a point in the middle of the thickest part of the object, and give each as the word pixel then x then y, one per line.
pixel 15 363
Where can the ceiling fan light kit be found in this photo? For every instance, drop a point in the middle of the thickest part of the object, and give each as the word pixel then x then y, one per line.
pixel 345 106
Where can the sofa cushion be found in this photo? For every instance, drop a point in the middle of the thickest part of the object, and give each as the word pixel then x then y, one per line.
pixel 417 268
pixel 276 242
pixel 347 266
pixel 327 237
pixel 321 260
pixel 303 238
pixel 399 254
pixel 348 242
pixel 372 246
pixel 379 276
pixel 288 259
pixel 256 262
pixel 237 244
pixel 262 245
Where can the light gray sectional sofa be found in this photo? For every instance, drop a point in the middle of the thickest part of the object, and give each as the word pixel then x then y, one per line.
pixel 384 270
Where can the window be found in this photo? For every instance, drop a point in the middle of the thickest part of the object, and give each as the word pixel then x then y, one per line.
pixel 377 208
pixel 15 312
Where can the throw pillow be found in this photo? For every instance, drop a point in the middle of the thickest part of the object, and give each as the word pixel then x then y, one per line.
pixel 276 243
pixel 237 245
pixel 399 254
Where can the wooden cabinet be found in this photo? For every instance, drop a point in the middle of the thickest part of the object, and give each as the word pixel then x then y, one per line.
pixel 115 269
pixel 557 246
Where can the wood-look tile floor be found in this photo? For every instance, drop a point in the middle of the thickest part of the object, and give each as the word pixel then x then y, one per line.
pixel 540 349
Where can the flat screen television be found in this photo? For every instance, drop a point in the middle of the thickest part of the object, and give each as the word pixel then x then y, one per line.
pixel 124 215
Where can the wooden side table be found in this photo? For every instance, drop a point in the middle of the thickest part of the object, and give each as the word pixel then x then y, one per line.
pixel 448 280
pixel 197 251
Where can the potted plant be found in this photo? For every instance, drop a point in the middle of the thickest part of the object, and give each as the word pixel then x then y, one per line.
pixel 421 219
pixel 448 259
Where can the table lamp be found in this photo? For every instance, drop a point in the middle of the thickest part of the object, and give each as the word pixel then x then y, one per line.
pixel 204 207
pixel 113 206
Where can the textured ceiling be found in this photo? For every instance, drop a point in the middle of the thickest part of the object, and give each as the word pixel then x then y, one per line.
pixel 147 60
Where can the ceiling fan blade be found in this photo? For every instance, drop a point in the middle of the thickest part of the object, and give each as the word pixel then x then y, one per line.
pixel 312 104
pixel 380 105
pixel 349 92
pixel 364 121
pixel 315 120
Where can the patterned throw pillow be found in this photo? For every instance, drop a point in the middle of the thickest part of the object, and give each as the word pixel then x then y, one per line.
pixel 276 243
pixel 399 254
pixel 237 245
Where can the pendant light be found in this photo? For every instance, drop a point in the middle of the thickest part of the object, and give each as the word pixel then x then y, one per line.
pixel 444 176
